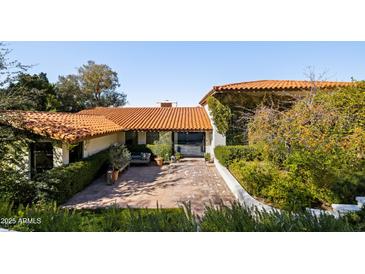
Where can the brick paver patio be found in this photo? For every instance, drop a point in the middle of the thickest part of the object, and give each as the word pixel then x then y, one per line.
pixel 143 186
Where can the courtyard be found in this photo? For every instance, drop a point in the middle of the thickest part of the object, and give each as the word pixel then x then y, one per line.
pixel 190 180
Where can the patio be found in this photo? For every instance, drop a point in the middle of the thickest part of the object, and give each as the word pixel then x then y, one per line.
pixel 144 186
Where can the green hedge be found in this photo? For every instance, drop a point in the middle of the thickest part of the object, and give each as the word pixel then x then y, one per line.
pixel 64 182
pixel 226 155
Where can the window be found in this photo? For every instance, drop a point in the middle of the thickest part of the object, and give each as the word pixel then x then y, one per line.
pixel 41 157
pixel 131 138
pixel 191 138
pixel 152 137
pixel 76 153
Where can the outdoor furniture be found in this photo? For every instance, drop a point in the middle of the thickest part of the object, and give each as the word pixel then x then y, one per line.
pixel 141 158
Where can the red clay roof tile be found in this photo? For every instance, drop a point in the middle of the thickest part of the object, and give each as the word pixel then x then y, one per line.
pixel 156 118
pixel 66 127
pixel 273 85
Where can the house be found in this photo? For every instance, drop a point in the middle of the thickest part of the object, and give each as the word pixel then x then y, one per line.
pixel 63 138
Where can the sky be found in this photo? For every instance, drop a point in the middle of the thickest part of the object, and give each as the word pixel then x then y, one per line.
pixel 184 72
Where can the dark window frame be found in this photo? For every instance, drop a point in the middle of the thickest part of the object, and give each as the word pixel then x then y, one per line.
pixel 131 140
pixel 41 151
pixel 76 153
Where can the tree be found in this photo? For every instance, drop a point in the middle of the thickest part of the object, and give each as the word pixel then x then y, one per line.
pixel 94 85
pixel 69 93
pixel 14 184
pixel 9 70
pixel 39 92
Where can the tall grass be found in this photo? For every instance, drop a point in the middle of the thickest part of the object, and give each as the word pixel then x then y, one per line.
pixel 239 218
pixel 233 218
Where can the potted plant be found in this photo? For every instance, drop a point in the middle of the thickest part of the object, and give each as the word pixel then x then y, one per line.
pixel 119 158
pixel 178 156
pixel 162 152
pixel 208 158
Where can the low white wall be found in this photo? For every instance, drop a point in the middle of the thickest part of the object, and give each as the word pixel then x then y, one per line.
pixel 95 145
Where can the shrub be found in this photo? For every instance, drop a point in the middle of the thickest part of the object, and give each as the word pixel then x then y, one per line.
pixel 178 156
pixel 161 150
pixel 320 141
pixel 228 154
pixel 288 193
pixel 64 182
pixel 119 156
pixel 207 156
pixel 254 176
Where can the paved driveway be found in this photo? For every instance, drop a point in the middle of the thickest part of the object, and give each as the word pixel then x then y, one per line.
pixel 145 186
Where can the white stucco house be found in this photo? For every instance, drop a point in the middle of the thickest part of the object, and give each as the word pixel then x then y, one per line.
pixel 64 138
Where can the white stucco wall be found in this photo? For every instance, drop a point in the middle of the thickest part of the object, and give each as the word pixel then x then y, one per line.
pixel 121 137
pixel 98 144
pixel 217 139
pixel 60 155
pixel 142 137
pixel 208 141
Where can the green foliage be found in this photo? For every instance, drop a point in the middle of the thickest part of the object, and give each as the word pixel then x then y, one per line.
pixel 64 182
pixel 227 154
pixel 237 218
pixel 289 193
pixel 178 156
pixel 47 217
pixel 165 137
pixel 207 156
pixel 320 141
pixel 254 176
pixel 161 150
pixel 70 94
pixel 119 156
pixel 94 85
pixel 221 114
pixel 37 93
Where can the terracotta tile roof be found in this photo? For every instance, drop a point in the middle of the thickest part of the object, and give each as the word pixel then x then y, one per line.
pixel 156 118
pixel 273 85
pixel 60 126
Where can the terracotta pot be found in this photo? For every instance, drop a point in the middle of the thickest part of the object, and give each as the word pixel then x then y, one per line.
pixel 159 161
pixel 115 175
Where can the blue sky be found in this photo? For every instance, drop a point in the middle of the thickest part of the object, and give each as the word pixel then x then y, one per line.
pixel 184 71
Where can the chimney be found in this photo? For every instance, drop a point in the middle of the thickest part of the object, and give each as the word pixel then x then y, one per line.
pixel 167 104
